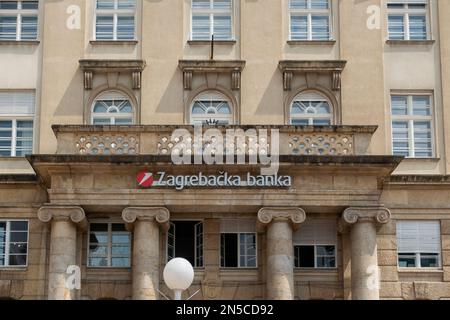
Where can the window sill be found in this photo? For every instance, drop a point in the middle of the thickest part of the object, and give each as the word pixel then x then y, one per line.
pixel 19 42
pixel 420 270
pixel 312 42
pixel 410 42
pixel 114 42
pixel 14 268
pixel 107 268
pixel 208 42
pixel 422 160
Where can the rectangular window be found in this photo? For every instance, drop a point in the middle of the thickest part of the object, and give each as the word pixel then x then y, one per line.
pixel 185 240
pixel 238 243
pixel 310 20
pixel 412 126
pixel 408 20
pixel 212 17
pixel 13 243
pixel 16 123
pixel 419 244
pixel 315 244
pixel 19 20
pixel 115 20
pixel 109 245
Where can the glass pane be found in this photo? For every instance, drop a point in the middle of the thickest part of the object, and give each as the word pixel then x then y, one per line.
pixel 98 237
pixel 121 238
pixel 29 27
pixel 18 248
pixel 30 5
pixel 326 250
pixel 305 256
pixel 429 260
pixel 19 237
pixel 98 262
pixel 326 262
pixel 8 27
pixel 95 250
pixel 201 29
pixel 118 227
pixel 320 28
pixel 125 28
pixel 120 262
pixel 105 28
pixel 19 226
pixel 8 5
pixel 399 105
pixel 417 27
pixel 406 260
pixel 299 27
pixel 222 27
pixel 105 4
pixel 18 260
pixel 396 27
pixel 120 250
pixel 99 227
pixel 421 106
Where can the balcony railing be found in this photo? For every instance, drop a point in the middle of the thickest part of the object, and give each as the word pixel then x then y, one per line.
pixel 161 140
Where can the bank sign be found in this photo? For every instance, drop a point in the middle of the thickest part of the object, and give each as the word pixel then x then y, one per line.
pixel 221 180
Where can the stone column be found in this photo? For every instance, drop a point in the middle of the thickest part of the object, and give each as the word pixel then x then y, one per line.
pixel 146 258
pixel 63 246
pixel 280 250
pixel 364 255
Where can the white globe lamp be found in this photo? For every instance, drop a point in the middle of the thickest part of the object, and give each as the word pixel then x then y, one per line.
pixel 178 276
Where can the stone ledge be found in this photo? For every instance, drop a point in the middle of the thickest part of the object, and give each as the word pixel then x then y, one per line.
pixel 18 178
pixel 302 66
pixel 419 179
pixel 106 65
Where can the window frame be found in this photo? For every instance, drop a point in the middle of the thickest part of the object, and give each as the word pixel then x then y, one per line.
pixel 406 12
pixel 410 118
pixel 216 96
pixel 211 12
pixel 307 116
pixel 19 13
pixel 112 116
pixel 109 246
pixel 419 255
pixel 316 256
pixel 115 12
pixel 8 242
pixel 238 234
pixel 309 13
pixel 199 221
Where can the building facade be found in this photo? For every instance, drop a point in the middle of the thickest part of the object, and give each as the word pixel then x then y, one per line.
pixel 95 97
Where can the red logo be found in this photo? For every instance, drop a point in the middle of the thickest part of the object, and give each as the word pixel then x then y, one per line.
pixel 145 179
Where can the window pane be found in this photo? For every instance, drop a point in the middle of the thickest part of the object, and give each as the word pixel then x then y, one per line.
pixel 99 227
pixel 19 226
pixel 229 250
pixel 305 256
pixel 299 27
pixel 29 28
pixel 429 260
pixel 98 237
pixel 120 238
pixel 8 27
pixel 120 250
pixel 120 262
pixel 222 27
pixel 406 260
pixel 18 248
pixel 30 5
pixel 399 105
pixel 201 27
pixel 126 4
pixel 18 260
pixel 105 28
pixel 118 227
pixel 105 4
pixel 326 262
pixel 125 28
pixel 19 237
pixel 421 106
pixel 320 28
pixel 98 262
pixel 8 5
pixel 396 27
pixel 417 27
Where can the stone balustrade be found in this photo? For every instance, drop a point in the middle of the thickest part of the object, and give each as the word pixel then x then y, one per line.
pixel 161 140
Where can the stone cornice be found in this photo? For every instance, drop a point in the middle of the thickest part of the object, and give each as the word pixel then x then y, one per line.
pixel 378 215
pixel 293 214
pixel 159 214
pixel 63 213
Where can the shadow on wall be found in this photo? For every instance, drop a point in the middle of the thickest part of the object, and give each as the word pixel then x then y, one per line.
pixel 171 101
pixel 71 104
pixel 271 102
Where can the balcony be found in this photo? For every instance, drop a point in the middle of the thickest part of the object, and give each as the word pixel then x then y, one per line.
pixel 161 140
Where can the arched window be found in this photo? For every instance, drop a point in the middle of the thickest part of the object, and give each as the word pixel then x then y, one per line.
pixel 211 108
pixel 311 109
pixel 112 108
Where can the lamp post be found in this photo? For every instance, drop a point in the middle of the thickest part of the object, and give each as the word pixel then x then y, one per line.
pixel 178 276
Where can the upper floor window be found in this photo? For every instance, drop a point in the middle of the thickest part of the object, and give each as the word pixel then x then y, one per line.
pixel 211 108
pixel 212 17
pixel 16 123
pixel 115 20
pixel 310 20
pixel 419 244
pixel 109 245
pixel 13 243
pixel 238 243
pixel 311 109
pixel 408 20
pixel 18 20
pixel 112 108
pixel 412 126
pixel 315 244
pixel 185 240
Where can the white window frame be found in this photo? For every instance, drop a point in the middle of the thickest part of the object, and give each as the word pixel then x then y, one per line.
pixel 316 255
pixel 172 223
pixel 109 253
pixel 311 117
pixel 418 255
pixel 8 241
pixel 211 96
pixel 309 13
pixel 411 118
pixel 19 13
pixel 14 120
pixel 113 116
pixel 238 234
pixel 211 12
pixel 407 12
pixel 116 12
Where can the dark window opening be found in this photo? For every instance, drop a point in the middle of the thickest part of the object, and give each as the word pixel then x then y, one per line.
pixel 185 240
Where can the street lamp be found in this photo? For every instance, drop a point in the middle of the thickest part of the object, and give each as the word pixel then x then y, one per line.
pixel 178 276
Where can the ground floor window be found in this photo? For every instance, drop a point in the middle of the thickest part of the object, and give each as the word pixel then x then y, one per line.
pixel 238 244
pixel 13 243
pixel 185 240
pixel 109 245
pixel 315 244
pixel 419 244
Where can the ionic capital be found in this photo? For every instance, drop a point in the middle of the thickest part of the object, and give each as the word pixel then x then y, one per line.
pixel 379 215
pixel 62 213
pixel 290 214
pixel 158 214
